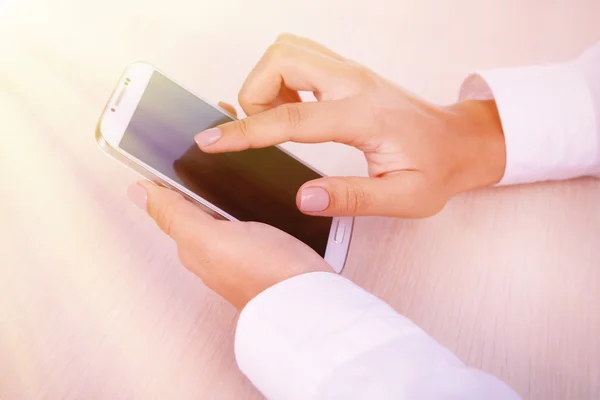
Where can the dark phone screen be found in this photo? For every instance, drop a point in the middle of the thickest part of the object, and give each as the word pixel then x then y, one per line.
pixel 251 185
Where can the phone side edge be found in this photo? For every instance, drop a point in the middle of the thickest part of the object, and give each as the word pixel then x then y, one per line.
pixel 149 175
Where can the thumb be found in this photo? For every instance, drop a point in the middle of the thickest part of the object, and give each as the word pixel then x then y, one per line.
pixel 403 194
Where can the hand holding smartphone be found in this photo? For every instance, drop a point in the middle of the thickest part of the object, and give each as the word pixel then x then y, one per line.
pixel 149 124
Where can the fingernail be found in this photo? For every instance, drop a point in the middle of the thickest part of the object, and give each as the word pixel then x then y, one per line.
pixel 314 199
pixel 138 195
pixel 207 137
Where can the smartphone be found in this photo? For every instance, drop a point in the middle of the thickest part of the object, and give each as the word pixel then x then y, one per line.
pixel 149 124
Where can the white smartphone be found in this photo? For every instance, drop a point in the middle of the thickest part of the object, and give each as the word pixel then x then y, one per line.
pixel 149 124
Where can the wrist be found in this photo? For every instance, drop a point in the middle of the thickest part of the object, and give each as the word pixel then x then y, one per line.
pixel 268 276
pixel 482 157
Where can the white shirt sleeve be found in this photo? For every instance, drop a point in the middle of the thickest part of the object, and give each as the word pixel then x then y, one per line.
pixel 550 116
pixel 319 336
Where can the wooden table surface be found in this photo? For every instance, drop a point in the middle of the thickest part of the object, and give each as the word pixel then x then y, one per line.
pixel 93 301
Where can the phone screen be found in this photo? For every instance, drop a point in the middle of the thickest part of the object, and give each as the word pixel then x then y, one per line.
pixel 251 185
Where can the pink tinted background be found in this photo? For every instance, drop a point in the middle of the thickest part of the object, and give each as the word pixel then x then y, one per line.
pixel 93 302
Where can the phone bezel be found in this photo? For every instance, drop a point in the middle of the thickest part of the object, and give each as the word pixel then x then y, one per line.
pixel 112 126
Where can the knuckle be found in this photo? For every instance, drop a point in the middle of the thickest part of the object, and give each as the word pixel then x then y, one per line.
pixel 195 257
pixel 356 199
pixel 277 51
pixel 185 258
pixel 365 76
pixel 244 129
pixel 290 115
pixel 285 37
pixel 439 199
pixel 165 213
pixel 244 97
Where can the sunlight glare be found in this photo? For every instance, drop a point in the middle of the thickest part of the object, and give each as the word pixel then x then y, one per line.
pixel 5 5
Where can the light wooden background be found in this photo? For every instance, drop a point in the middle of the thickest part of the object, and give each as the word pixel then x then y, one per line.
pixel 93 302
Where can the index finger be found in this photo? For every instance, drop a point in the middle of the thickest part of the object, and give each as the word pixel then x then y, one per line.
pixel 285 69
pixel 176 216
pixel 312 122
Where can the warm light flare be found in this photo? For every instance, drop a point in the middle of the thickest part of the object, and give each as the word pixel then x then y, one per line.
pixel 49 110
pixel 7 8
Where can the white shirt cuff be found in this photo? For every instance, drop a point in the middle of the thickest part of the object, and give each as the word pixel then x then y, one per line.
pixel 296 333
pixel 548 119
